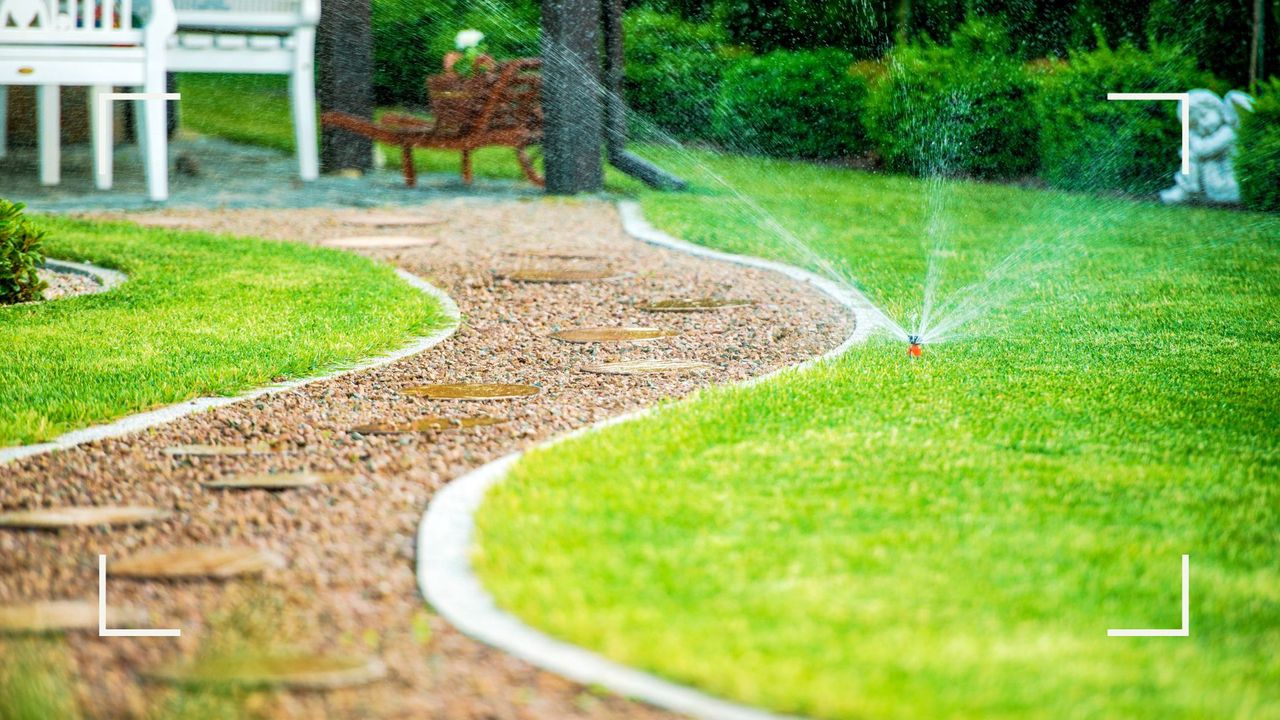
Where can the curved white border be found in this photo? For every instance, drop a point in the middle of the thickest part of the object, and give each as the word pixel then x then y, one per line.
pixel 445 575
pixel 169 413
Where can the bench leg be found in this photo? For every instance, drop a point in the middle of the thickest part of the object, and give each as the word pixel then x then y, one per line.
pixel 49 110
pixel 103 143
pixel 4 120
pixel 406 164
pixel 466 167
pixel 154 142
pixel 522 154
pixel 302 93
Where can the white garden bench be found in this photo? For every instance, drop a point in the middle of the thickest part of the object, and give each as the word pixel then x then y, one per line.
pixel 51 43
pixel 256 36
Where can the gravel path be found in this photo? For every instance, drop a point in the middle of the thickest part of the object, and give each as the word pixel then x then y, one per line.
pixel 348 587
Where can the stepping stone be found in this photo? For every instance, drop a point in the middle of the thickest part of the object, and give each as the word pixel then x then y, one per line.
pixel 295 671
pixel 557 255
pixel 196 562
pixel 216 450
pixel 164 221
pixel 693 305
pixel 65 615
pixel 275 481
pixel 647 367
pixel 471 391
pixel 612 334
pixel 386 219
pixel 376 242
pixel 558 275
pixel 428 423
pixel 60 517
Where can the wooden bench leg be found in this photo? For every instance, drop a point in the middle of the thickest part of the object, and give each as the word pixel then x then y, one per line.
pixel 466 167
pixel 406 164
pixel 522 154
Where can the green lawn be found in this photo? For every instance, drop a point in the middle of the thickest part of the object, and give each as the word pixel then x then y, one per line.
pixel 200 315
pixel 950 537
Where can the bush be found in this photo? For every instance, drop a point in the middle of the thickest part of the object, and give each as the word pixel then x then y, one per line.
pixel 793 104
pixel 673 71
pixel 1090 143
pixel 410 38
pixel 19 255
pixel 1258 154
pixel 955 110
pixel 856 26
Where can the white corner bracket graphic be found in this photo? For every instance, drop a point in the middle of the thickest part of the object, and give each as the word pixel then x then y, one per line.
pixel 103 128
pixel 1184 105
pixel 1183 631
pixel 103 630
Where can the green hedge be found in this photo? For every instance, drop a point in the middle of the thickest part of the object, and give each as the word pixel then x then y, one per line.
pixel 20 253
pixel 673 72
pixel 1090 143
pixel 1258 154
pixel 961 109
pixel 793 104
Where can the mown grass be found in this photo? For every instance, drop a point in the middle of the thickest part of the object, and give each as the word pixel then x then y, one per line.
pixel 951 537
pixel 200 315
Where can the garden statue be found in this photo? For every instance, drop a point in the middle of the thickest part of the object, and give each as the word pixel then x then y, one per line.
pixel 1212 145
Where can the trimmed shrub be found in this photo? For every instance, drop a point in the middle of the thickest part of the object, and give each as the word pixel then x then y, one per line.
pixel 1258 154
pixel 862 28
pixel 1090 143
pixel 793 104
pixel 673 71
pixel 19 255
pixel 957 110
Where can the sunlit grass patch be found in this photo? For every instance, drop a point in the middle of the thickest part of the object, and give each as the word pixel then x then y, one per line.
pixel 950 537
pixel 200 315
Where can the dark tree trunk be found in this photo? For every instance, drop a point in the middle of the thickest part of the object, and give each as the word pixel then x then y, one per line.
pixel 345 77
pixel 572 105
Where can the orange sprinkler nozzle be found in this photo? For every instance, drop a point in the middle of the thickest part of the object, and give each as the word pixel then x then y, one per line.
pixel 915 349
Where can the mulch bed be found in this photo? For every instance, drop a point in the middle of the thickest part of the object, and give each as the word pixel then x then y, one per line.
pixel 348 587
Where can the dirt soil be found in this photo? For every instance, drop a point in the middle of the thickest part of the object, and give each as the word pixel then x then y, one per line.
pixel 349 586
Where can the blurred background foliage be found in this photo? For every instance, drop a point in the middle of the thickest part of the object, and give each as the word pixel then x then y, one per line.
pixel 998 89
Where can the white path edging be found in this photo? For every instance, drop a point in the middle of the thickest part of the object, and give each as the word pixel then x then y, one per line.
pixel 169 413
pixel 445 535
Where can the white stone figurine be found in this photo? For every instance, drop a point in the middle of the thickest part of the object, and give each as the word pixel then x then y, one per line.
pixel 1212 143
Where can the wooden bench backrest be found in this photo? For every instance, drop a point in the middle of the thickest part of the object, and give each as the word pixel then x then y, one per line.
pixel 505 99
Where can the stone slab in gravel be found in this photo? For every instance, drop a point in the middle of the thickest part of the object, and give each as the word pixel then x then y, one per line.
pixel 84 516
pixel 364 242
pixel 300 671
pixel 350 585
pixel 692 305
pixel 275 481
pixel 65 616
pixel 557 275
pixel 389 219
pixel 612 335
pixel 647 367
pixel 472 391
pixel 197 562
pixel 428 424
pixel 206 450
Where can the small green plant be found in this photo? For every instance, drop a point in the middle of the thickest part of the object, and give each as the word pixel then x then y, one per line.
pixel 35 681
pixel 20 242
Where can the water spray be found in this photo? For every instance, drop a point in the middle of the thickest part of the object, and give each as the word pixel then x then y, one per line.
pixel 915 349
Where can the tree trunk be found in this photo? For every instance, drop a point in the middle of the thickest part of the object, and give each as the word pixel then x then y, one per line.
pixel 572 106
pixel 345 79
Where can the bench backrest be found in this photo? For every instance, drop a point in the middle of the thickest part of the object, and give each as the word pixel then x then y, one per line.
pixel 78 22
pixel 247 15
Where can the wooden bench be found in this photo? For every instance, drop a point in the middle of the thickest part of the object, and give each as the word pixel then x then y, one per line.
pixel 497 107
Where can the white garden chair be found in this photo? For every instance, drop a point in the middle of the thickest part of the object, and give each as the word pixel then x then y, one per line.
pixel 256 36
pixel 51 43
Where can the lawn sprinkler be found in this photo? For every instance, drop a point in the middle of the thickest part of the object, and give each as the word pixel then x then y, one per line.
pixel 915 350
